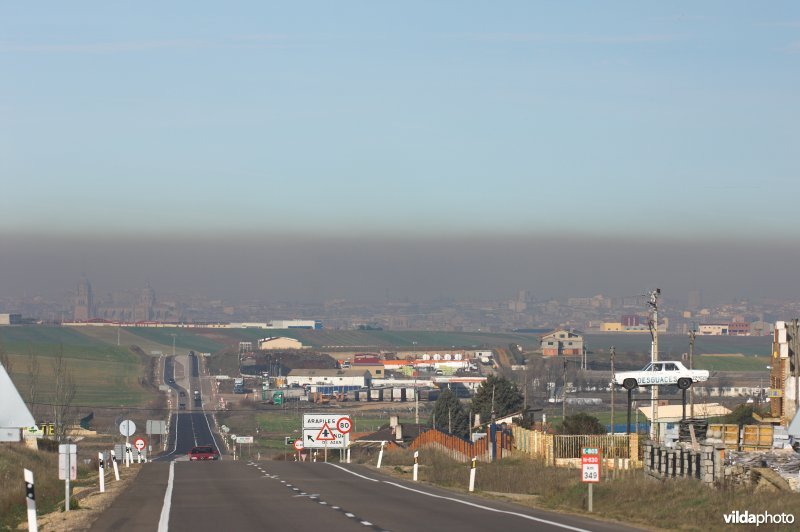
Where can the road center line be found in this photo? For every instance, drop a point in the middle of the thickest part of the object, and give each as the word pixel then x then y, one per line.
pixel 163 522
pixel 489 508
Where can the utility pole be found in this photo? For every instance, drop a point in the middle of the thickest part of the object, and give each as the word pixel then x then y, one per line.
pixel 613 389
pixel 564 394
pixel 654 358
pixel 449 420
pixel 794 360
pixel 173 343
pixel 692 334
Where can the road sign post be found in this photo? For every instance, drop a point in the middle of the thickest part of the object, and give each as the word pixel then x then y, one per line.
pixel 127 428
pixel 67 468
pixel 590 469
pixel 139 444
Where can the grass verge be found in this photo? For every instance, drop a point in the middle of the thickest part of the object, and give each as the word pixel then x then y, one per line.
pixel 631 498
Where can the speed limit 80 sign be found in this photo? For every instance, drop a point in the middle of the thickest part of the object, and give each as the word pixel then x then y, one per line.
pixel 344 425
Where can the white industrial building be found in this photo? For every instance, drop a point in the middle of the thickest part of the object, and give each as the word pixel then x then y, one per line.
pixel 10 319
pixel 329 377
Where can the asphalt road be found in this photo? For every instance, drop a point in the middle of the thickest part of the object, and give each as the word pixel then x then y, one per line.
pixel 187 428
pixel 290 496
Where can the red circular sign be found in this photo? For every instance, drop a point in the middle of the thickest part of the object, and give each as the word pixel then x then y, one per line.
pixel 344 425
pixel 298 445
pixel 140 444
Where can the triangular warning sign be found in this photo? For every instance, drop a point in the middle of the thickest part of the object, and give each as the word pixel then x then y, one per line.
pixel 325 434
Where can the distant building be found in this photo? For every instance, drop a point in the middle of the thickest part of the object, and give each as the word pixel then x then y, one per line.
pixel 725 329
pixel 713 329
pixel 694 300
pixel 83 309
pixel 143 310
pixel 739 328
pixel 598 301
pixel 10 319
pixel 630 320
pixel 761 328
pixel 295 324
pixel 562 343
pixel 279 342
pixel 369 362
pixel 329 377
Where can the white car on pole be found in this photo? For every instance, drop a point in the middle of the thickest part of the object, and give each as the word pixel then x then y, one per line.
pixel 659 374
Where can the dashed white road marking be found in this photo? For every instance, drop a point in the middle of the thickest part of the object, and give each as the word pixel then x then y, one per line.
pixel 350 515
pixel 366 523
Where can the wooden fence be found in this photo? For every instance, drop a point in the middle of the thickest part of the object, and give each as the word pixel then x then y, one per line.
pixel 463 450
pixel 618 451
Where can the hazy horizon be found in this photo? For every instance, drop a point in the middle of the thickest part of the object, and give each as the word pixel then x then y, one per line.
pixel 313 269
pixel 415 150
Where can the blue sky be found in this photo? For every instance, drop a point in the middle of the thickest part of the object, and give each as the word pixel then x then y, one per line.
pixel 673 119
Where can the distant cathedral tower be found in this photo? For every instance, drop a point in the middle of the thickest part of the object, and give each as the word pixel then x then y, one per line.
pixel 143 310
pixel 84 303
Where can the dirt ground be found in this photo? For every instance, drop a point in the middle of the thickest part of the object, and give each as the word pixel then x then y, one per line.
pixel 92 503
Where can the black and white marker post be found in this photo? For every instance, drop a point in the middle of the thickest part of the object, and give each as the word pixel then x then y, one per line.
pixel 416 464
pixel 30 499
pixel 472 473
pixel 102 471
pixel 114 461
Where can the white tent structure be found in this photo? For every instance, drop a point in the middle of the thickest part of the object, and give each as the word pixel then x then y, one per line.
pixel 14 413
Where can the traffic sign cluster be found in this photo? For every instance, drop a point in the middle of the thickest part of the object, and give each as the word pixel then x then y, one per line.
pixel 324 431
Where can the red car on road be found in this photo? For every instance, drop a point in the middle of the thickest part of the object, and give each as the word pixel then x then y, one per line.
pixel 203 452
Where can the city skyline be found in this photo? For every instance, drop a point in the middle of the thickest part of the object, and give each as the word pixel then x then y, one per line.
pixel 304 270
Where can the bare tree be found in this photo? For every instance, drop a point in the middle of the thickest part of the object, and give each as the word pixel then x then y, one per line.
pixel 34 369
pixel 63 395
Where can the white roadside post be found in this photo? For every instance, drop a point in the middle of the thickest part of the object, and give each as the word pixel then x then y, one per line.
pixel 472 473
pixel 380 454
pixel 114 461
pixel 67 468
pixel 30 500
pixel 416 464
pixel 102 472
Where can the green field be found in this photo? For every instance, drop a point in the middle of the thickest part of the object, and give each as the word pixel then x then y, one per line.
pixel 332 339
pixel 672 345
pixel 104 374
